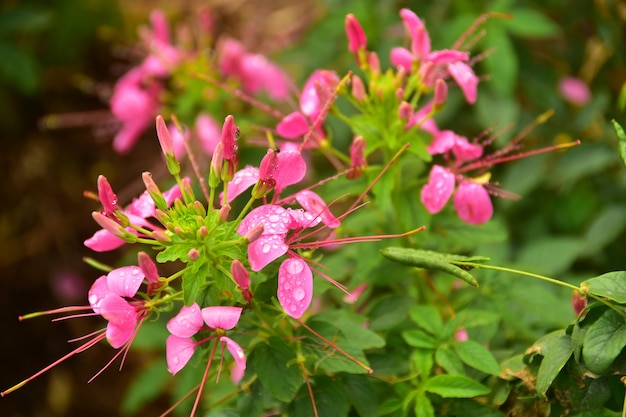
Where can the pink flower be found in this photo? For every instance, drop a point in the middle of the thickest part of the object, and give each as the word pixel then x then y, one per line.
pixel 137 212
pixel 180 346
pixel 357 41
pixel 471 200
pixel 574 90
pixel 108 297
pixel 434 65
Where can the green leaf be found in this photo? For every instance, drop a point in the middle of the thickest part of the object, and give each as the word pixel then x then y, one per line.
pixel 352 327
pixel 423 406
pixel 604 341
pixel 423 361
pixel 420 339
pixel 20 68
pixel 389 311
pixel 250 403
pixel 556 355
pixel 502 66
pixel 270 361
pixel 194 277
pixel 431 260
pixel 428 318
pixel 621 136
pixel 449 361
pixel 606 227
pixel 328 396
pixel 145 387
pixel 455 386
pixel 477 356
pixel 529 23
pixel 360 392
pixel 611 285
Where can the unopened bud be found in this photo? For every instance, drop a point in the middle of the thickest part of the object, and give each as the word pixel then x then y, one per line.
pixel 161 237
pixel 167 146
pixel 203 232
pixel 240 274
pixel 254 233
pixel 154 191
pixel 373 62
pixel 186 190
pixel 229 137
pixel 356 36
pixel 217 161
pixel 223 213
pixel 107 196
pixel 461 335
pixel 162 216
pixel 193 254
pixel 441 93
pixel 199 208
pixel 148 267
pixel 109 225
pixel 268 166
pixel 358 89
pixel 399 93
pixel 357 158
pixel 405 111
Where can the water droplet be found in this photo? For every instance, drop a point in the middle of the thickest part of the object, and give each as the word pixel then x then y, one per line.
pixel 175 360
pixel 274 218
pixel 295 266
pixel 298 294
pixel 135 272
pixel 122 274
pixel 286 287
pixel 266 248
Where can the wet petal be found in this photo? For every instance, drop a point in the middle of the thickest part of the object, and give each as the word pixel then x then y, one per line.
pixel 187 322
pixel 243 179
pixel 125 281
pixel 266 249
pixel 99 291
pixel 314 204
pixel 295 286
pixel 402 57
pixel 465 151
pixel 178 351
pixel 436 193
pixel 235 350
pixel 472 203
pixel 103 241
pixel 464 76
pixel 221 317
pixel 290 170
pixel 275 220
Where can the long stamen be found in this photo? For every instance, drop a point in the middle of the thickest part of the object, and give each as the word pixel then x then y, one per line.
pixel 53 364
pixel 334 346
pixel 179 402
pixel 340 241
pixel 309 388
pixel 53 311
pixel 204 378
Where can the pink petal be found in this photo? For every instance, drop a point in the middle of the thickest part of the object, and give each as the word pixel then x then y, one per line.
pixel 472 203
pixel 128 136
pixel 436 193
pixel 310 102
pixel 266 249
pixel 99 291
pixel 293 125
pixel 314 204
pixel 465 151
pixel 410 20
pixel 122 318
pixel 187 322
pixel 208 132
pixel 443 141
pixel 356 35
pixel 235 350
pixel 420 43
pixel 295 286
pixel 125 281
pixel 242 180
pixel 302 219
pixel 142 206
pixel 221 317
pixel 291 169
pixel 574 90
pixel 170 195
pixel 402 57
pixel 275 219
pixel 106 195
pixel 178 351
pixel 466 79
pixel 103 241
pixel 448 56
pixel 160 26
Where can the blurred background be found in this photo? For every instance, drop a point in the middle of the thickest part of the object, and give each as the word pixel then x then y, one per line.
pixel 60 58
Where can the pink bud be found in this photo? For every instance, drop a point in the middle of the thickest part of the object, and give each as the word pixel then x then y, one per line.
pixel 109 225
pixel 268 166
pixel 405 111
pixel 373 62
pixel 240 274
pixel 356 36
pixel 461 335
pixel 107 196
pixel 230 133
pixel 160 26
pixel 358 89
pixel 574 90
pixel 154 191
pixel 254 233
pixel 441 92
pixel 193 254
pixel 165 139
pixel 357 157
pixel 148 267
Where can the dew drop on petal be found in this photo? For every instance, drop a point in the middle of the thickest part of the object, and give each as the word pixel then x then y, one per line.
pixel 274 218
pixel 298 294
pixel 266 248
pixel 295 267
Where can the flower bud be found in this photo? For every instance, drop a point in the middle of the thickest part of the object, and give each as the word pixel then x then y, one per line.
pixel 254 233
pixel 223 213
pixel 358 89
pixel 240 274
pixel 357 158
pixel 441 93
pixel 405 111
pixel 107 196
pixel 153 190
pixel 217 160
pixel 148 267
pixel 161 237
pixel 193 254
pixel 356 36
pixel 109 225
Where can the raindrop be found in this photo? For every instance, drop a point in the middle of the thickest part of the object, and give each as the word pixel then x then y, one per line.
pixel 274 218
pixel 266 248
pixel 298 294
pixel 295 266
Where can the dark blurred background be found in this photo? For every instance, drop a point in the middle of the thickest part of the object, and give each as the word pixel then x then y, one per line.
pixel 61 57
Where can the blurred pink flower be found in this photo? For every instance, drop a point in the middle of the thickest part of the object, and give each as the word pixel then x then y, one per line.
pixel 574 90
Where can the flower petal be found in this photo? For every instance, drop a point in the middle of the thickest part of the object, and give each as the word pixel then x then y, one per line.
pixel 122 318
pixel 221 317
pixel 290 170
pixel 187 322
pixel 178 351
pixel 235 350
pixel 295 286
pixel 402 57
pixel 314 204
pixel 266 249
pixel 293 125
pixel 103 241
pixel 466 79
pixel 125 281
pixel 99 291
pixel 243 179
pixel 275 219
pixel 437 191
pixel 472 203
